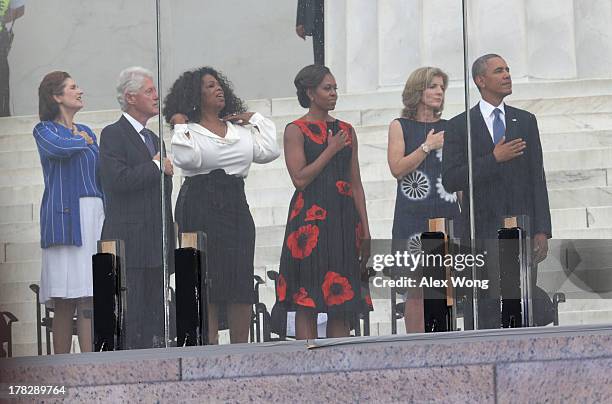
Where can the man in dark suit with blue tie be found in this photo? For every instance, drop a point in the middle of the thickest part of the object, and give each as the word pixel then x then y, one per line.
pixel 507 167
pixel 130 171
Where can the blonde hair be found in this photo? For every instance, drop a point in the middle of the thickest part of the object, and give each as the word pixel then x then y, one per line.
pixel 417 82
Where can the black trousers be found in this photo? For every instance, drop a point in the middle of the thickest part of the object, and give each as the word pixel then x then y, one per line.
pixel 144 314
pixel 5 96
pixel 318 35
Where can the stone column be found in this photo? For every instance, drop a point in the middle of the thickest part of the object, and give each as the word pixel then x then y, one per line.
pixel 551 50
pixel 336 40
pixel 362 56
pixel 400 40
pixel 593 35
pixel 499 27
pixel 442 36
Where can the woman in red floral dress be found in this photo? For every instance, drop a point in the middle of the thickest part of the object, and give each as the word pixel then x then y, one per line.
pixel 327 235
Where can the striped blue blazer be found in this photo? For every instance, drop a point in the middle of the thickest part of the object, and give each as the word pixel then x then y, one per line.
pixel 70 170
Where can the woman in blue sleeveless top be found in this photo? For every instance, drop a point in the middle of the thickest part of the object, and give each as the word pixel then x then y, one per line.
pixel 415 159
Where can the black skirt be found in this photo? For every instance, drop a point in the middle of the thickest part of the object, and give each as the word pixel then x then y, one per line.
pixel 215 203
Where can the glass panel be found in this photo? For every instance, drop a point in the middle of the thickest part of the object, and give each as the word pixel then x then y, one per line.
pixel 554 102
pixel 212 192
pixel 305 245
pixel 423 90
pixel 52 182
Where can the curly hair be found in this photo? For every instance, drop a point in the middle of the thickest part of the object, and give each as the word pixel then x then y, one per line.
pixel 186 94
pixel 417 82
pixel 307 79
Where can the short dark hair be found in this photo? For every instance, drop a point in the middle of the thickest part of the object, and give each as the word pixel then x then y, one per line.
pixel 480 65
pixel 308 78
pixel 52 84
pixel 185 96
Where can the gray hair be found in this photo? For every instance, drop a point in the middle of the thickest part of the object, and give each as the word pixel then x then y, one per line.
pixel 131 81
pixel 480 65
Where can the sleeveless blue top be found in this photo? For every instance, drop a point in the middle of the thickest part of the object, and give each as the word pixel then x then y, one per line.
pixel 420 194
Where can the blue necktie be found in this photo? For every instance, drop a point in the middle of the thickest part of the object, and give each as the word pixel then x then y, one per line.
pixel 499 129
pixel 148 137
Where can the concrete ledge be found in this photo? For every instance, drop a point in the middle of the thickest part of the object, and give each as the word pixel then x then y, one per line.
pixel 517 365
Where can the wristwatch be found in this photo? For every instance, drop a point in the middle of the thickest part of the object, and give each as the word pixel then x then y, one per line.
pixel 425 148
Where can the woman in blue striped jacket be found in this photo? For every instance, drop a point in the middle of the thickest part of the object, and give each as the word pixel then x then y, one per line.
pixel 71 212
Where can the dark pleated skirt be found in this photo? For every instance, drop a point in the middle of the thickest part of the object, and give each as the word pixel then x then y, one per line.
pixel 215 203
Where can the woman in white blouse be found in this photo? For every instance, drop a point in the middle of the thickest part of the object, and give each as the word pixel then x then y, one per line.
pixel 214 142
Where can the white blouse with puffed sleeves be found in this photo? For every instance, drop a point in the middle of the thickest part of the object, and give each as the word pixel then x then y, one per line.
pixel 203 151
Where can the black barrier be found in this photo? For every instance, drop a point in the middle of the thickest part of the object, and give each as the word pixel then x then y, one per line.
pixel 436 312
pixel 515 273
pixel 108 303
pixel 191 288
pixel 510 246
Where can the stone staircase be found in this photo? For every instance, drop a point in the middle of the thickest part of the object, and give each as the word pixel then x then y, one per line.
pixel 575 120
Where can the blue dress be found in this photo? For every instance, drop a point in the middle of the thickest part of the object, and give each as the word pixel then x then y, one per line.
pixel 420 194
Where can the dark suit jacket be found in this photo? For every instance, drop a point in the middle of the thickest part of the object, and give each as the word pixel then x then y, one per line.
pixel 511 188
pixel 310 15
pixel 131 183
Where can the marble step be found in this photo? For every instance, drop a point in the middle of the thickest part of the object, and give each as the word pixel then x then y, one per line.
pixel 384 208
pixel 586 157
pixel 588 233
pixel 25 333
pixel 523 97
pixel 13 292
pixel 550 120
pixel 377 134
pixel 377 171
pixel 25 312
pixel 28 349
pixel 98 119
pixel 272 209
pixel 585 304
pixel 559 198
pixel 28 212
pixel 567 94
pixel 583 283
pixel 547 123
pixel 22 264
pixel 585 317
pixel 23 271
pixel 373 166
pixel 25 124
pixel 22 182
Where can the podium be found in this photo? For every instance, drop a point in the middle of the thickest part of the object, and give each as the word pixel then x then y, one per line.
pixel 191 290
pixel 109 301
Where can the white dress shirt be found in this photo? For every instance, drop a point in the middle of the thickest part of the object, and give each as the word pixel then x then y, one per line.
pixel 138 127
pixel 203 151
pixel 486 110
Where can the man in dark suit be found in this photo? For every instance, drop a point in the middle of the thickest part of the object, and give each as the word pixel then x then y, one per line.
pixel 508 172
pixel 309 22
pixel 130 170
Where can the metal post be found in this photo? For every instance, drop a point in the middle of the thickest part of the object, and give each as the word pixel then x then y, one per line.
pixel 466 82
pixel 162 155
